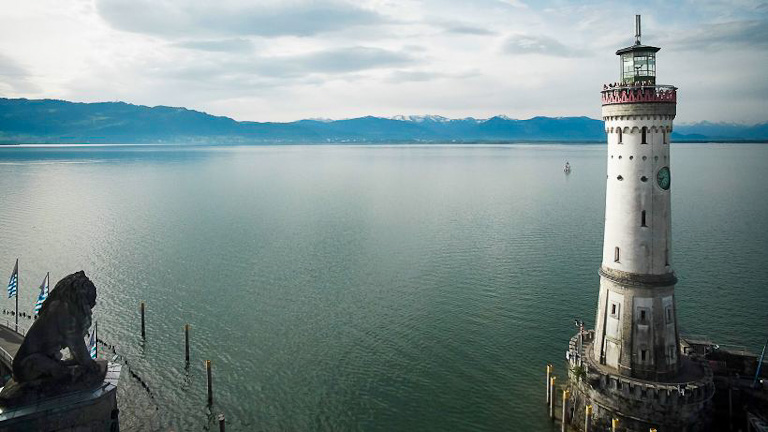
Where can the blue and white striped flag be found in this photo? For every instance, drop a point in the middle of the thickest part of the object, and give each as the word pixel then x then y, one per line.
pixel 92 345
pixel 43 294
pixel 13 283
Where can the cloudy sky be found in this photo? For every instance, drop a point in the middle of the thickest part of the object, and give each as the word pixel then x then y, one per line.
pixel 282 60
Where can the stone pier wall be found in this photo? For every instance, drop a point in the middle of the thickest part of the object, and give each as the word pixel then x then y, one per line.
pixel 639 405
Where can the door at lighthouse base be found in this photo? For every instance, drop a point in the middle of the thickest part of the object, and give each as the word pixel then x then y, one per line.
pixel 612 353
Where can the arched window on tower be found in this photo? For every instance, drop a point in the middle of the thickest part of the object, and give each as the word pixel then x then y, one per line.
pixel 645 135
pixel 642 219
pixel 620 137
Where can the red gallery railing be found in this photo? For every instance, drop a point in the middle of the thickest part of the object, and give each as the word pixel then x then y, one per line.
pixel 618 93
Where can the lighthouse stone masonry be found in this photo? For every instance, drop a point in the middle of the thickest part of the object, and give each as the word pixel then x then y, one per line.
pixel 636 330
pixel 630 368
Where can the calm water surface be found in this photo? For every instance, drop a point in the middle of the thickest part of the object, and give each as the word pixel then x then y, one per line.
pixel 364 288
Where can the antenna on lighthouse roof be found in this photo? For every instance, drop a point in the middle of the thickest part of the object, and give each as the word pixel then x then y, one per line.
pixel 637 29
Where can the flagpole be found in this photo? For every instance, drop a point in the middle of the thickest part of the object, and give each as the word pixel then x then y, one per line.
pixel 17 295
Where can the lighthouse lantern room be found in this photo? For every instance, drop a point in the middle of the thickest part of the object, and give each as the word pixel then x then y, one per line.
pixel 638 62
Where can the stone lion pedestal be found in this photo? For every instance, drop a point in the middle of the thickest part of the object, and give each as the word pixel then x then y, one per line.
pixel 82 410
pixel 48 393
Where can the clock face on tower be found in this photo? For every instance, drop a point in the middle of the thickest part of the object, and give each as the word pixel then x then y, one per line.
pixel 663 178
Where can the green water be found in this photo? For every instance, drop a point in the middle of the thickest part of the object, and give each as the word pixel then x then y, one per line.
pixel 364 288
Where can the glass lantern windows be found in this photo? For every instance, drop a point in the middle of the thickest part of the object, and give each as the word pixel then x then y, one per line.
pixel 638 66
pixel 628 70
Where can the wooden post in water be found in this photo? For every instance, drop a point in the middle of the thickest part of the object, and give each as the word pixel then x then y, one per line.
pixel 552 398
pixel 186 344
pixel 96 336
pixel 143 333
pixel 549 373
pixel 210 382
pixel 587 418
pixel 221 423
pixel 563 421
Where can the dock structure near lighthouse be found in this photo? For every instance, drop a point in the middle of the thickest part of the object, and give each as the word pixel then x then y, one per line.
pixel 629 369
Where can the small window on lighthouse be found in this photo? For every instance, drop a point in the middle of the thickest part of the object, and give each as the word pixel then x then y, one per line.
pixel 664 135
pixel 642 219
pixel 643 355
pixel 616 254
pixel 645 135
pixel 614 310
pixel 669 315
pixel 620 141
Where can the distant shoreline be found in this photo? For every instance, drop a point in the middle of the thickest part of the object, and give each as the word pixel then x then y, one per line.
pixel 61 122
pixel 356 143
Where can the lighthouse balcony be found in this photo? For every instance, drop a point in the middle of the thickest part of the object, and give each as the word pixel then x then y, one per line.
pixel 680 403
pixel 639 92
pixel 692 385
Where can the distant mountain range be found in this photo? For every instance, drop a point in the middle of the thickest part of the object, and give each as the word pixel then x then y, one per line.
pixel 56 121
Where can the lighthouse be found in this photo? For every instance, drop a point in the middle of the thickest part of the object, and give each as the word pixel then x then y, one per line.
pixel 630 368
pixel 636 325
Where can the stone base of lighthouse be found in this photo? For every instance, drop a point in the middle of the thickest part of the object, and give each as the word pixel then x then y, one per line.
pixel 682 403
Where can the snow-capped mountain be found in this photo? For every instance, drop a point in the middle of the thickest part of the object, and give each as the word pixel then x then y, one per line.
pixel 56 121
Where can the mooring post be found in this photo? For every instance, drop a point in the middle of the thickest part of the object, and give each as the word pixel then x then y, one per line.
pixel 549 373
pixel 565 404
pixel 552 398
pixel 186 344
pixel 614 424
pixel 581 342
pixel 587 418
pixel 221 423
pixel 143 333
pixel 210 382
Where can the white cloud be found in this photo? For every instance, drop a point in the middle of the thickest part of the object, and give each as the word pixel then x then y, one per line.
pixel 218 45
pixel 514 3
pixel 264 18
pixel 14 78
pixel 279 60
pixel 747 34
pixel 532 44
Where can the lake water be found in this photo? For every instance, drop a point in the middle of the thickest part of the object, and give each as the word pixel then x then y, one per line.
pixel 364 287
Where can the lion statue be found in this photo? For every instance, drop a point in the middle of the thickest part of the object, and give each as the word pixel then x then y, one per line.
pixel 63 322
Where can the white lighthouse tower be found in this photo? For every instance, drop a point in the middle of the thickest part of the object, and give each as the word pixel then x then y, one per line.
pixel 636 329
pixel 630 367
